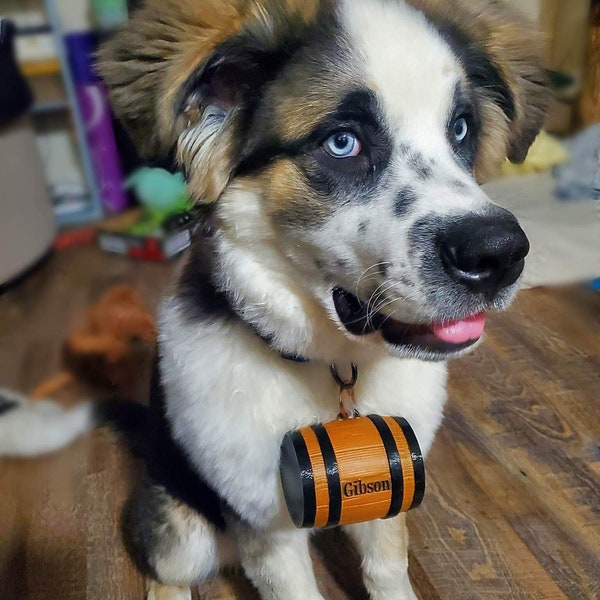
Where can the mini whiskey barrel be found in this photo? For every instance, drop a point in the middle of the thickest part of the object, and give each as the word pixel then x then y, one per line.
pixel 351 470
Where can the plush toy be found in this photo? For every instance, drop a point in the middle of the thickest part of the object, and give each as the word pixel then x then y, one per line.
pixel 31 428
pixel 106 352
pixel 162 194
pixel 107 357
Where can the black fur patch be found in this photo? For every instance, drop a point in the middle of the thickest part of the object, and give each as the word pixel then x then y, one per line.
pixel 418 164
pixel 243 65
pixel 128 419
pixel 384 269
pixel 168 465
pixel 358 111
pixel 201 298
pixel 458 185
pixel 464 106
pixel 147 531
pixel 406 282
pixel 404 200
pixel 481 70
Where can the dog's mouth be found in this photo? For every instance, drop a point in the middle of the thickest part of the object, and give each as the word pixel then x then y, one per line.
pixel 433 339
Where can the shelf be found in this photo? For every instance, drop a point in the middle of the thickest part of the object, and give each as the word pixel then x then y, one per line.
pixel 34 30
pixel 41 68
pixel 50 107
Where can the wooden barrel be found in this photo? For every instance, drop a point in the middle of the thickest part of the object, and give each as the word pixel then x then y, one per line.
pixel 351 471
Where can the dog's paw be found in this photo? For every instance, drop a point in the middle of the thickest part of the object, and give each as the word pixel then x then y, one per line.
pixel 158 591
pixel 401 592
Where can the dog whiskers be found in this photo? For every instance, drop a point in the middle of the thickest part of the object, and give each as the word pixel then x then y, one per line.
pixel 375 266
pixel 374 301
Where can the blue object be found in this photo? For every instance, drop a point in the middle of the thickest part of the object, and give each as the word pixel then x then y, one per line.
pixel 579 179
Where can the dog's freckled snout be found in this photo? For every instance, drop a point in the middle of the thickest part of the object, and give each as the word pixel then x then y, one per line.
pixel 484 253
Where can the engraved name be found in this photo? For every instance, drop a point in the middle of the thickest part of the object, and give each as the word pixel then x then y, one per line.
pixel 358 488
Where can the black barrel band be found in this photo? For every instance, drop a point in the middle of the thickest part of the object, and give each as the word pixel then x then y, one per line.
pixel 308 479
pixel 333 475
pixel 395 463
pixel 418 462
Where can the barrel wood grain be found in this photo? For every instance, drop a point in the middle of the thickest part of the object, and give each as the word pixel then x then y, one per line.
pixel 511 510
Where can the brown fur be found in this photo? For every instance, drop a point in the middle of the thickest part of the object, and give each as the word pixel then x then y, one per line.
pixel 146 65
pixel 288 198
pixel 148 62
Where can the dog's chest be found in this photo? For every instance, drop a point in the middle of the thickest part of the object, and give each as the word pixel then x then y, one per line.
pixel 230 400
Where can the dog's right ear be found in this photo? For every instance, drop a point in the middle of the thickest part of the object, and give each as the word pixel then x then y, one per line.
pixel 182 73
pixel 149 60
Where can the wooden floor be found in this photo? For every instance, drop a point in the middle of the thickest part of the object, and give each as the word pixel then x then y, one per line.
pixel 512 508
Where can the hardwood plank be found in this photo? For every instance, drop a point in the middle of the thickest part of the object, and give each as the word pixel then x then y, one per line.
pixel 59 535
pixel 111 473
pixel 574 569
pixel 528 429
pixel 464 543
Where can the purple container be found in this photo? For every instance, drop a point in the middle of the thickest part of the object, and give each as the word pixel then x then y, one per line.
pixel 95 111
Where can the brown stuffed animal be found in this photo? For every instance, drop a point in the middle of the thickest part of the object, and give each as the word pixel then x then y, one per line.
pixel 110 353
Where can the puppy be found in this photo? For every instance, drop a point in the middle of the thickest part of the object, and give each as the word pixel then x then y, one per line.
pixel 336 146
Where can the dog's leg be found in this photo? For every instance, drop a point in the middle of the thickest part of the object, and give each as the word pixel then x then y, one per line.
pixel 173 545
pixel 383 546
pixel 278 563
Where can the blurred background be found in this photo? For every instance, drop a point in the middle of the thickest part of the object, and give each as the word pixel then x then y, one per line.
pixel 91 237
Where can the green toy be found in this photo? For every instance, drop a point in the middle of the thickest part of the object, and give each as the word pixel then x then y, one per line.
pixel 110 13
pixel 162 194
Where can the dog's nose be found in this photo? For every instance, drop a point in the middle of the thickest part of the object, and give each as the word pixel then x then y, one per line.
pixel 485 253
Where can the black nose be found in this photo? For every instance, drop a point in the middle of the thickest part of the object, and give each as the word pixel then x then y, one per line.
pixel 486 254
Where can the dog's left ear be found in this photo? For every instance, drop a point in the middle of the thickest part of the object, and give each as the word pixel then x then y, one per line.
pixel 501 52
pixel 504 51
pixel 515 48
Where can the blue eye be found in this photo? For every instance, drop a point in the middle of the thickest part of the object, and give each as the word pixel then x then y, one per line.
pixel 342 145
pixel 461 129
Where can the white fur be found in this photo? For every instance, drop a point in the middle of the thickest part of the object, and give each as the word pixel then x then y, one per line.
pixel 197 141
pixel 231 399
pixel 278 563
pixel 199 553
pixel 384 548
pixel 416 94
pixel 41 427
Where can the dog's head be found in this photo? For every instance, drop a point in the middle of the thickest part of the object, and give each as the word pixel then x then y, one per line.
pixel 349 135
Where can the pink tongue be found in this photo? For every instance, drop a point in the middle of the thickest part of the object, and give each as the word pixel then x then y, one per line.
pixel 460 332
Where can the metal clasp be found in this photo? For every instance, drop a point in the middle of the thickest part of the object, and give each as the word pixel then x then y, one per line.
pixel 346 392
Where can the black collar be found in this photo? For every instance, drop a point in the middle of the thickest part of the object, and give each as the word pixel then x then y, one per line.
pixel 285 355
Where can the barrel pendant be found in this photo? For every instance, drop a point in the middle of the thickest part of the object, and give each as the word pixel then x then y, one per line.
pixel 351 471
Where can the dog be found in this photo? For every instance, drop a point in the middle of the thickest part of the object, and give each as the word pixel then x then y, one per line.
pixel 335 147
